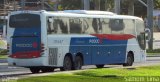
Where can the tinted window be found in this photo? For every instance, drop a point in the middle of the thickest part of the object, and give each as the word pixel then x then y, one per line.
pixel 116 24
pixel 141 34
pixel 105 26
pixel 75 25
pixel 24 21
pixel 57 25
pixel 92 25
pixel 129 26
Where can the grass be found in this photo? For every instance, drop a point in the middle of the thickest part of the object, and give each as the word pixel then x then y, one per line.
pixel 2 43
pixel 3 56
pixel 153 51
pixel 153 54
pixel 142 74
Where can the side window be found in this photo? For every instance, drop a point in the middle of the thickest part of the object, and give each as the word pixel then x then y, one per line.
pixel 97 25
pixel 50 29
pixel 87 26
pixel 63 25
pixel 57 25
pixel 117 26
pixel 92 25
pixel 140 33
pixel 129 26
pixel 75 25
pixel 105 26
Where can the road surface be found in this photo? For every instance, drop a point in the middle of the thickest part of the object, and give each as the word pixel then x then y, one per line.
pixel 6 70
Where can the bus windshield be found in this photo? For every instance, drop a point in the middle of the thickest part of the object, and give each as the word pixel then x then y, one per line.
pixel 25 21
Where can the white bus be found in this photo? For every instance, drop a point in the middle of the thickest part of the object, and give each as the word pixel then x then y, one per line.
pixel 43 40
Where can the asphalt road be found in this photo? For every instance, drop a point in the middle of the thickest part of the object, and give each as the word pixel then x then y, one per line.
pixel 6 70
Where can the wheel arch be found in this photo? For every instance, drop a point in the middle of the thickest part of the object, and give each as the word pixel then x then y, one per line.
pixel 69 55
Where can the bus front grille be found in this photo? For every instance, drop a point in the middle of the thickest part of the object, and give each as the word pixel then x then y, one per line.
pixel 53 52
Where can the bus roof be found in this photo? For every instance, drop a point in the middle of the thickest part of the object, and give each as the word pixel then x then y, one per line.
pixel 89 12
pixel 82 13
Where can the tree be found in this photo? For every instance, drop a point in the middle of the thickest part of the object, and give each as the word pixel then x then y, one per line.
pixel 97 4
pixel 109 5
pixel 156 4
pixel 71 4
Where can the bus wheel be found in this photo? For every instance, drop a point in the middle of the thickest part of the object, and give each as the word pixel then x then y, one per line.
pixel 35 70
pixel 130 60
pixel 100 66
pixel 67 64
pixel 78 63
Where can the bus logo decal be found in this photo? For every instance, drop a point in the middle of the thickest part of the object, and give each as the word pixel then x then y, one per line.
pixel 35 45
pixel 23 45
pixel 94 41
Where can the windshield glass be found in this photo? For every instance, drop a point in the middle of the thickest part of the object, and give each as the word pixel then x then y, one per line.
pixel 25 21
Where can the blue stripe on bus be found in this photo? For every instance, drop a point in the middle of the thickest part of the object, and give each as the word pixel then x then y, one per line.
pixel 99 51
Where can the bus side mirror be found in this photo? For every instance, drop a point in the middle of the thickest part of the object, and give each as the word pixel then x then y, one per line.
pixel 148 34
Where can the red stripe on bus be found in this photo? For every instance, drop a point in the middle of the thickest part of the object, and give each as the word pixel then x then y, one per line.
pixel 30 54
pixel 114 37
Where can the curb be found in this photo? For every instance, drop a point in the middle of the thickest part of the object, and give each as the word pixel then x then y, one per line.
pixel 153 56
pixel 3 60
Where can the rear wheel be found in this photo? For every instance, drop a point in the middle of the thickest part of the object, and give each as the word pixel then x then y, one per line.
pixel 100 66
pixel 78 62
pixel 35 70
pixel 130 60
pixel 67 64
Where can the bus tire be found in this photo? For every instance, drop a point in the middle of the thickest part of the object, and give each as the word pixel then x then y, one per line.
pixel 35 70
pixel 100 66
pixel 78 62
pixel 67 64
pixel 130 60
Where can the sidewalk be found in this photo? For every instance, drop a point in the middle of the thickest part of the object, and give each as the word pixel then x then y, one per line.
pixel 153 55
pixel 3 64
pixel 3 60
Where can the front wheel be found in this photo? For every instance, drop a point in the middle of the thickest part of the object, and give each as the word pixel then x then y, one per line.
pixel 130 60
pixel 67 64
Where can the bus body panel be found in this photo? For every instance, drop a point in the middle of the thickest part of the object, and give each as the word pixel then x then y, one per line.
pixel 99 51
pixel 95 48
pixel 58 47
pixel 139 54
pixel 94 52
pixel 26 43
pixel 32 62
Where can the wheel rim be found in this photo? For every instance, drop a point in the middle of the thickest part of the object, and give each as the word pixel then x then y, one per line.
pixel 129 61
pixel 67 64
